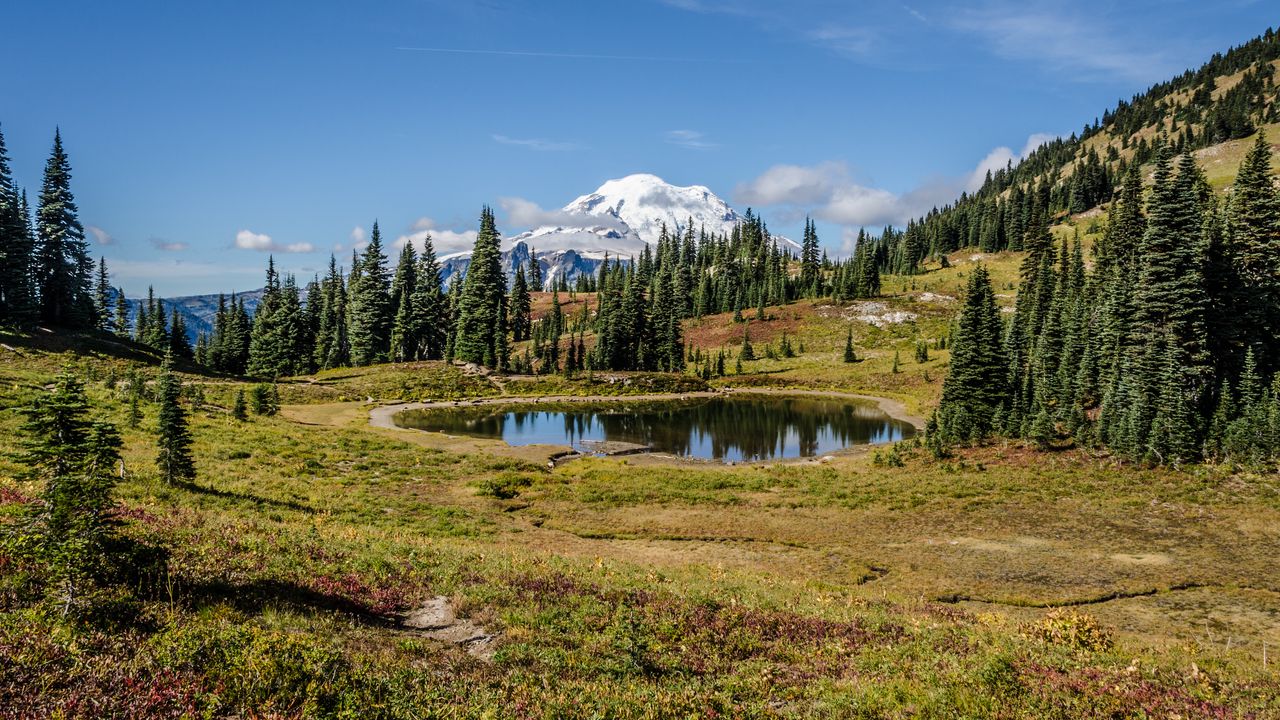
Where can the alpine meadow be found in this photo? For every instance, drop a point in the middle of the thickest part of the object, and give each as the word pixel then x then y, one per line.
pixel 980 443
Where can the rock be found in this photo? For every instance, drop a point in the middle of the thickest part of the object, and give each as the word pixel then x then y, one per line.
pixel 437 620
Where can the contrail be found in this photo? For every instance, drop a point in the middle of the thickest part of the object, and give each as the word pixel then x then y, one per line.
pixel 571 56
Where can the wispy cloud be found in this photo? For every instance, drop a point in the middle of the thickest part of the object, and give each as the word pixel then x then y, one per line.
pixel 1085 43
pixel 850 41
pixel 829 191
pixel 565 55
pixel 444 240
pixel 691 139
pixel 525 214
pixel 539 144
pixel 915 13
pixel 249 240
pixel 102 236
pixel 167 245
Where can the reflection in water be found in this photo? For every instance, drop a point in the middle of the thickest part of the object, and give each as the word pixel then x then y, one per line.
pixel 734 428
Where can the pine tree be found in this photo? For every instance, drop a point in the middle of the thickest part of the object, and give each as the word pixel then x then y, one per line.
pixel 747 352
pixel 431 306
pixel 404 288
pixel 369 311
pixel 976 388
pixel 849 355
pixel 121 322
pixel 62 265
pixel 239 410
pixel 17 291
pixel 173 436
pixel 269 339
pixel 102 298
pixel 481 316
pixel 179 343
pixel 1255 234
pixel 520 308
pixel 68 529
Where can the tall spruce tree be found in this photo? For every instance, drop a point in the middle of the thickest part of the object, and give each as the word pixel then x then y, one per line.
pixel 481 316
pixel 369 311
pixel 1254 218
pixel 975 390
pixel 17 291
pixel 173 436
pixel 431 306
pixel 62 265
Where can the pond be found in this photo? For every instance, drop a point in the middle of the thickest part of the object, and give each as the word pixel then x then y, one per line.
pixel 733 428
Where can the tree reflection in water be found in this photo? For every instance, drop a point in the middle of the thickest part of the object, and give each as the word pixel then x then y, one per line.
pixel 735 428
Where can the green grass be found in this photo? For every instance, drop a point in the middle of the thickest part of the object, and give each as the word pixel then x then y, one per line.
pixel 642 588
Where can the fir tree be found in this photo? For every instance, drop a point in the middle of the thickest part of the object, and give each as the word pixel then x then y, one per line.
pixel 520 308
pixel 849 355
pixel 62 265
pixel 17 290
pixel 481 316
pixel 68 529
pixel 431 306
pixel 239 410
pixel 102 298
pixel 173 436
pixel 975 389
pixel 369 311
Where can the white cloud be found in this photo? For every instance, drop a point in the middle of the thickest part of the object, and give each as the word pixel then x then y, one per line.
pixel 525 214
pixel 1001 157
pixel 691 139
pixel 792 185
pixel 102 236
pixel 829 192
pixel 168 245
pixel 540 144
pixel 444 240
pixel 249 240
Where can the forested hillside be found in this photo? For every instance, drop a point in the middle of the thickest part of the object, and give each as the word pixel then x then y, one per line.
pixel 1162 345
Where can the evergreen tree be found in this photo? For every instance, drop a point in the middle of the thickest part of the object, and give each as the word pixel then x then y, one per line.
pixel 1255 235
pixel 179 343
pixel 481 315
pixel 369 311
pixel 521 321
pixel 120 324
pixel 975 389
pixel 62 265
pixel 17 291
pixel 173 436
pixel 239 410
pixel 404 288
pixel 431 306
pixel 102 298
pixel 68 529
pixel 849 355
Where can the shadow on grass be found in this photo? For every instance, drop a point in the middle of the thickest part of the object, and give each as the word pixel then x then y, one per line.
pixel 255 596
pixel 246 497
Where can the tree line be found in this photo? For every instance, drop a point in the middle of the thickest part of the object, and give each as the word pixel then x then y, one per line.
pixel 1166 351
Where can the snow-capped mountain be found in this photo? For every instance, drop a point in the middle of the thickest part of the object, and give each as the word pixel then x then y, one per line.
pixel 646 203
pixel 618 220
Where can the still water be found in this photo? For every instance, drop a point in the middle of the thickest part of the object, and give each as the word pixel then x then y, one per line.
pixel 735 428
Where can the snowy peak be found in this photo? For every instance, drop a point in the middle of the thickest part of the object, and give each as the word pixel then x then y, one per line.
pixel 647 202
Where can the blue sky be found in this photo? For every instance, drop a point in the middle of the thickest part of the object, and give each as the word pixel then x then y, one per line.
pixel 204 135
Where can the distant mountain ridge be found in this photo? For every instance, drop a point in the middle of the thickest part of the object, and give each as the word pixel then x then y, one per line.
pixel 197 311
